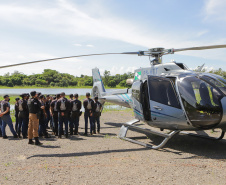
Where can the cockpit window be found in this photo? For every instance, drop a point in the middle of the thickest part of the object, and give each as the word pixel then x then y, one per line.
pixel 218 83
pixel 201 101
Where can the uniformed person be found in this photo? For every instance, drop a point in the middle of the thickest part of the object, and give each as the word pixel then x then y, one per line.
pixel 6 119
pixel 16 108
pixel 0 122
pixel 34 107
pixel 88 105
pixel 97 114
pixel 47 110
pixel 76 105
pixel 54 113
pixel 63 106
pixel 23 112
pixel 42 118
pixel 71 125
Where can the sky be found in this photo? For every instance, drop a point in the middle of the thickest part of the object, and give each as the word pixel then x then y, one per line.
pixel 40 29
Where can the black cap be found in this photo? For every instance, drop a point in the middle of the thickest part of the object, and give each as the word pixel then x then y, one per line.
pixel 87 94
pixel 58 95
pixel 23 95
pixel 33 93
pixel 76 95
pixel 41 96
pixel 54 97
pixel 17 99
pixel 28 94
pixel 47 95
pixel 5 96
pixel 71 95
pixel 39 93
pixel 96 98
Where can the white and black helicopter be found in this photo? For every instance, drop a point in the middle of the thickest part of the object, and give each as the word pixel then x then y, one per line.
pixel 166 96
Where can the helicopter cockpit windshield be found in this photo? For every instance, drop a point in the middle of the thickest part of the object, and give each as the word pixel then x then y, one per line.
pixel 201 101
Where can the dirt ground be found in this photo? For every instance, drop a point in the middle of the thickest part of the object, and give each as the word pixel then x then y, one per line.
pixel 105 159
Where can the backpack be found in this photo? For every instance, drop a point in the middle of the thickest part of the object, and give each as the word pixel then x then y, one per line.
pixel 55 106
pixel 63 105
pixel 74 108
pixel 89 106
pixel 98 108
pixel 20 105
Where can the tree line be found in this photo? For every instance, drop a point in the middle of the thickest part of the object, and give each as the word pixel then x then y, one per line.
pixel 54 78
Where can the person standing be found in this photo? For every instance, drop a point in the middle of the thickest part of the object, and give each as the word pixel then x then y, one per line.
pixel 0 122
pixel 23 112
pixel 54 114
pixel 16 108
pixel 47 110
pixel 76 105
pixel 97 114
pixel 34 107
pixel 6 119
pixel 71 125
pixel 88 105
pixel 42 118
pixel 63 106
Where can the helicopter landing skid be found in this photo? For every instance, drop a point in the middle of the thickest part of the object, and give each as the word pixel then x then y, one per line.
pixel 147 132
pixel 204 136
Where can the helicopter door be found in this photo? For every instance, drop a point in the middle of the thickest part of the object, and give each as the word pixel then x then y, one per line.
pixel 164 104
pixel 137 100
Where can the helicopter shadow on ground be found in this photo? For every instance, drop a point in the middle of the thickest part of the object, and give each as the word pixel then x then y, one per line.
pixel 199 147
pixel 179 144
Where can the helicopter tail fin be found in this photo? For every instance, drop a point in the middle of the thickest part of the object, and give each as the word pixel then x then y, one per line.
pixel 98 85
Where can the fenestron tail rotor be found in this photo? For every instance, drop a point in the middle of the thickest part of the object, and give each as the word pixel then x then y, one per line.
pixel 157 53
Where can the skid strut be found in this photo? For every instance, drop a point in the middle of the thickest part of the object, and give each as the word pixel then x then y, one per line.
pixel 126 126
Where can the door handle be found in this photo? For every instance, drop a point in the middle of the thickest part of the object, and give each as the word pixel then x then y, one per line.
pixel 156 107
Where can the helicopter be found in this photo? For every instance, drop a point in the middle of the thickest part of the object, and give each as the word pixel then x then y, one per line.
pixel 165 96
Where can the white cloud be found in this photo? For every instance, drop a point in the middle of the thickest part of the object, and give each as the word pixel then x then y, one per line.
pixel 201 33
pixel 77 45
pixel 90 45
pixel 215 10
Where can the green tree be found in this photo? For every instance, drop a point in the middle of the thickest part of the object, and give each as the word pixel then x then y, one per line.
pixel 106 77
pixel 112 83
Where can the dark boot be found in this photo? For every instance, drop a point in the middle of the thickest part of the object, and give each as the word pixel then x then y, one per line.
pixel 24 137
pixel 37 142
pixel 5 137
pixel 19 135
pixel 15 136
pixel 30 142
pixel 71 131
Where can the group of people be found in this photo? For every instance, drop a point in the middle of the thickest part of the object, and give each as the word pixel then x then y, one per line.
pixel 35 113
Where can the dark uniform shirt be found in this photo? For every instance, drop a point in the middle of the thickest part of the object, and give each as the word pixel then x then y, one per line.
pixel 54 105
pixel 47 105
pixel 16 108
pixel 34 105
pixel 86 102
pixel 4 105
pixel 42 110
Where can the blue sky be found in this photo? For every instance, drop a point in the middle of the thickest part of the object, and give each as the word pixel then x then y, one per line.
pixel 35 30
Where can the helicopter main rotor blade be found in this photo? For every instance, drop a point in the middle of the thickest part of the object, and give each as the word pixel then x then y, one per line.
pixel 200 48
pixel 77 56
